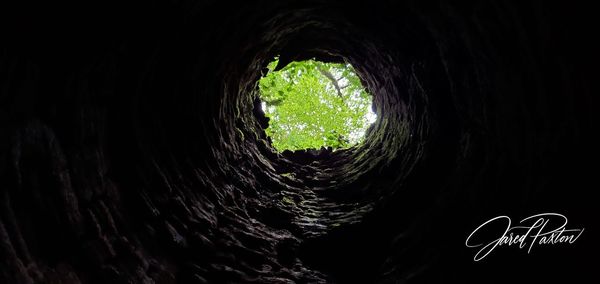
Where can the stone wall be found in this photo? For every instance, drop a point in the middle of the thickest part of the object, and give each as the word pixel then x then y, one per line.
pixel 132 147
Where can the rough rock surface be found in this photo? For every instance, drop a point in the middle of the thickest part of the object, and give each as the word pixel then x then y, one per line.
pixel 132 149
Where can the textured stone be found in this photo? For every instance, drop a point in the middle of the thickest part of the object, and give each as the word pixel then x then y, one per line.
pixel 132 147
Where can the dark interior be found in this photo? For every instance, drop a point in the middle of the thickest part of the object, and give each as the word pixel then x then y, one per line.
pixel 132 147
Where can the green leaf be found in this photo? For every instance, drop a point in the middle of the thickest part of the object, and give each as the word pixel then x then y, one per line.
pixel 313 104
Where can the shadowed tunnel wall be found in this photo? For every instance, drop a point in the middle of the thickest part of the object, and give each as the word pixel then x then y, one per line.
pixel 132 147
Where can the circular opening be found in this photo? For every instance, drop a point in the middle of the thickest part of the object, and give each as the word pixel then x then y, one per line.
pixel 312 104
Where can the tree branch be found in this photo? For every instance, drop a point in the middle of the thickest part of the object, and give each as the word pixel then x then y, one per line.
pixel 332 79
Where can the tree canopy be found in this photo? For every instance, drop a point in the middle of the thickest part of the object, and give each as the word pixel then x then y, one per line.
pixel 313 104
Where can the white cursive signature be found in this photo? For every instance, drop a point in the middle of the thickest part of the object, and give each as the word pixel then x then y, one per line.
pixel 533 230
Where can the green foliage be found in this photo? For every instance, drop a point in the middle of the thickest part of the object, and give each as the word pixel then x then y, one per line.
pixel 312 104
